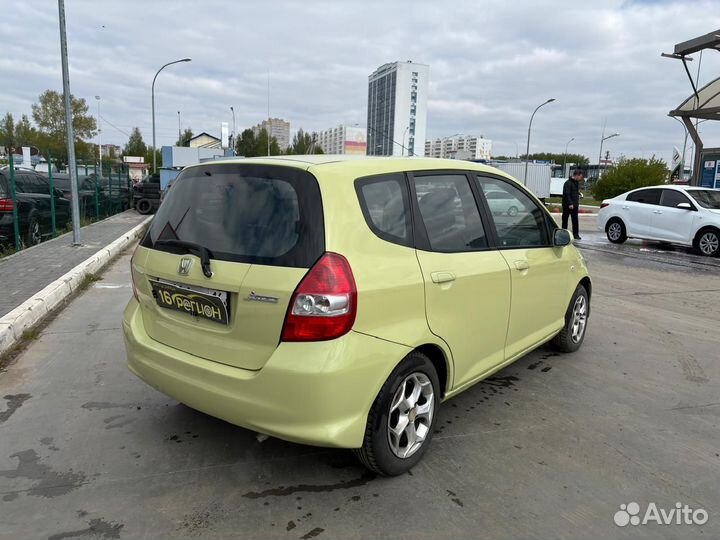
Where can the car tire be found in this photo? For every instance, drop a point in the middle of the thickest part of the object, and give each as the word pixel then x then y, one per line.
pixel 707 242
pixel 512 211
pixel 144 206
pixel 615 231
pixel 33 236
pixel 572 335
pixel 382 450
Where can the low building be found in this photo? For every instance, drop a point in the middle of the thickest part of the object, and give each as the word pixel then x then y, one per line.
pixel 459 147
pixel 343 140
pixel 276 127
pixel 204 140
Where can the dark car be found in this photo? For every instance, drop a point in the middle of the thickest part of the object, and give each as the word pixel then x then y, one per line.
pixel 32 194
pixel 112 195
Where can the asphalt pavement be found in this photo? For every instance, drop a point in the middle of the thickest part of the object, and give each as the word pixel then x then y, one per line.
pixel 550 447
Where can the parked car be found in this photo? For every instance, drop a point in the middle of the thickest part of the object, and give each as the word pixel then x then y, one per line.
pixel 337 302
pixel 86 192
pixel 32 193
pixel 684 215
pixel 502 202
pixel 111 195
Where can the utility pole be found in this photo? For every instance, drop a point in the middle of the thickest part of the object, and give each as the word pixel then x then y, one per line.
pixel 99 135
pixel 179 131
pixel 69 135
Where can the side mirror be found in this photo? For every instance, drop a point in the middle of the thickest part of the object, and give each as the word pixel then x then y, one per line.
pixel 685 206
pixel 561 238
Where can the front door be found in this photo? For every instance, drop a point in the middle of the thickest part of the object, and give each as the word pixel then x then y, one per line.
pixel 640 207
pixel 540 272
pixel 670 223
pixel 467 283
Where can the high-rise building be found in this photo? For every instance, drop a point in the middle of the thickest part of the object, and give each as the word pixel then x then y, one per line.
pixel 276 127
pixel 343 140
pixel 397 109
pixel 459 147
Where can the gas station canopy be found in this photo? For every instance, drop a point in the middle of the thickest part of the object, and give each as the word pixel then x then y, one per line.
pixel 705 105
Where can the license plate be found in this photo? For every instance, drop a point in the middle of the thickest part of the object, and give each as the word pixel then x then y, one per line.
pixel 206 304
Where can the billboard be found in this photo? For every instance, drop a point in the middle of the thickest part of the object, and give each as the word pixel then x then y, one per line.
pixel 355 140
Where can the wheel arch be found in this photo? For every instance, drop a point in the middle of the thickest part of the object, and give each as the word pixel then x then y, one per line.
pixel 701 230
pixel 440 361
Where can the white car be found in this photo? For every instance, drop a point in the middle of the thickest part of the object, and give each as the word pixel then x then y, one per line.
pixel 502 202
pixel 685 215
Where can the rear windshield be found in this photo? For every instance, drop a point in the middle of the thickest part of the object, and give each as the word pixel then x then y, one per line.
pixel 244 213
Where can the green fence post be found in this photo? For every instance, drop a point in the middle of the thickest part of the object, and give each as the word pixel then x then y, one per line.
pixel 52 197
pixel 129 188
pixel 16 225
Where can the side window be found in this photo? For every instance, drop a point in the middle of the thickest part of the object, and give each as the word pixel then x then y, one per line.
pixel 385 205
pixel 519 221
pixel 672 198
pixel 645 196
pixel 449 213
pixel 41 185
pixel 23 183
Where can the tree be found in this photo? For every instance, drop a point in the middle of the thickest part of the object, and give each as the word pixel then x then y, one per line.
pixel 184 139
pixel 245 144
pixel 49 115
pixel 249 145
pixel 304 143
pixel 7 131
pixel 261 148
pixel 25 133
pixel 135 145
pixel 577 159
pixel 630 174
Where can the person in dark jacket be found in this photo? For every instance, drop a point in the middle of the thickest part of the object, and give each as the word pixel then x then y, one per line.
pixel 571 201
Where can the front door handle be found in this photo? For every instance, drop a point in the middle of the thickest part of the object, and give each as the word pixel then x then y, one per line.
pixel 657 211
pixel 442 277
pixel 522 265
pixel 625 207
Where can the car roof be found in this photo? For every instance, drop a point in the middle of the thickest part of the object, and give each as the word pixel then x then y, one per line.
pixel 677 187
pixel 356 166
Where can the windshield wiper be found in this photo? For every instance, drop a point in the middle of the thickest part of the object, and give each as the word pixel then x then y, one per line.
pixel 205 253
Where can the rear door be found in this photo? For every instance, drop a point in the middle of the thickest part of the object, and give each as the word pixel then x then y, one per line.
pixel 540 273
pixel 264 227
pixel 638 210
pixel 467 281
pixel 671 223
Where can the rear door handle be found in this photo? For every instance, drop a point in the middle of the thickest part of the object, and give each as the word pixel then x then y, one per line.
pixel 625 207
pixel 442 277
pixel 522 265
pixel 657 211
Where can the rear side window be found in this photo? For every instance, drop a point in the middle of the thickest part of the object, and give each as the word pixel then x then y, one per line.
pixel 385 205
pixel 449 213
pixel 244 213
pixel 645 196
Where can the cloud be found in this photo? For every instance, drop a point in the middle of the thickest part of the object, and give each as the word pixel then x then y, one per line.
pixel 491 63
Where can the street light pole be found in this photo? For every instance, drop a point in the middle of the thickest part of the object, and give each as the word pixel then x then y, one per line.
pixel 527 151
pixel 565 155
pixel 69 135
pixel 602 140
pixel 233 131
pixel 153 105
pixel 179 131
pixel 99 136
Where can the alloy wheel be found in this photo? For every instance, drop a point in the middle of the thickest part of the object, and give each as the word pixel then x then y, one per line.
pixel 411 414
pixel 579 319
pixel 614 231
pixel 709 243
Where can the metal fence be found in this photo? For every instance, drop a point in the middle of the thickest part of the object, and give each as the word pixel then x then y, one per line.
pixel 39 201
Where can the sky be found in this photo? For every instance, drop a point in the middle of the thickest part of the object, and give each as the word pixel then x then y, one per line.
pixel 491 63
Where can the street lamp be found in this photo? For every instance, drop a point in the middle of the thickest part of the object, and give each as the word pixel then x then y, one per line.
pixel 527 151
pixel 153 103
pixel 179 131
pixel 565 154
pixel 99 136
pixel 233 131
pixel 602 140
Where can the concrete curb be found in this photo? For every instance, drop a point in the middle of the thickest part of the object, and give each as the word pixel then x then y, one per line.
pixel 34 309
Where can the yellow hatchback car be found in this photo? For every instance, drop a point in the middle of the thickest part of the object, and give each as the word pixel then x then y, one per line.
pixel 336 302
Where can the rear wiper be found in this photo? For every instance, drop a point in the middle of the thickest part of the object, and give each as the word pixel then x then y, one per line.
pixel 205 253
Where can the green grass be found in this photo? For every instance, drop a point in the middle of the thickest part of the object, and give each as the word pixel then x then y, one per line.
pixel 6 251
pixel 31 334
pixel 88 280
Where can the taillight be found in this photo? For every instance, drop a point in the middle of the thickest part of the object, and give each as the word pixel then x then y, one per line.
pixel 604 204
pixel 324 304
pixel 6 205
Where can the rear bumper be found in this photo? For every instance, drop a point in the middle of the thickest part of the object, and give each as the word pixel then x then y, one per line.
pixel 316 393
